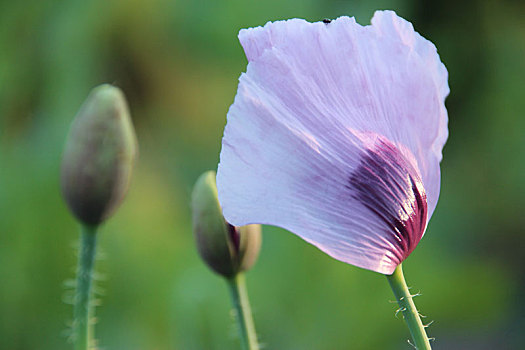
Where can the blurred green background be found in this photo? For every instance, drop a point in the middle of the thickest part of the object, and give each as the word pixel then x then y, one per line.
pixel 178 63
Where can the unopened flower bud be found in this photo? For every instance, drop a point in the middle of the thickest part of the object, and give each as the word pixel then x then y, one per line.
pixel 226 249
pixel 98 156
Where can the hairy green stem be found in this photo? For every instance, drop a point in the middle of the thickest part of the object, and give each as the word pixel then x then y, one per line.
pixel 408 308
pixel 243 312
pixel 82 325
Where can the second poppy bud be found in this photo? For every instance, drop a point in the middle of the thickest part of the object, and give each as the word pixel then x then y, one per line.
pixel 226 249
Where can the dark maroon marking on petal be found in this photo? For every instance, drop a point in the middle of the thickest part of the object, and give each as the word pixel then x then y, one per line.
pixel 234 236
pixel 388 185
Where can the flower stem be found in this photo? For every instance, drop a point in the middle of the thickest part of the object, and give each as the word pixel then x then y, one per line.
pixel 243 312
pixel 83 314
pixel 408 308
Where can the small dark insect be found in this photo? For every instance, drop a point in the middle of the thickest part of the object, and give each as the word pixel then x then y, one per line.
pixel 326 21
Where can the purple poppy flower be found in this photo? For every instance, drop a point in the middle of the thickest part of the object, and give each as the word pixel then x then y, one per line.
pixel 336 135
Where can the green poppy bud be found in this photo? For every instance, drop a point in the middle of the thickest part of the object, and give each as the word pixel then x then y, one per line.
pixel 98 156
pixel 226 249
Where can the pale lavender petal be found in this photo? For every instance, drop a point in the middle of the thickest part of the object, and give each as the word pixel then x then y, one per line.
pixel 430 118
pixel 335 135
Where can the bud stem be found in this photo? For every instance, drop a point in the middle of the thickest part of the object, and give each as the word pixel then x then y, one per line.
pixel 408 308
pixel 83 314
pixel 243 312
